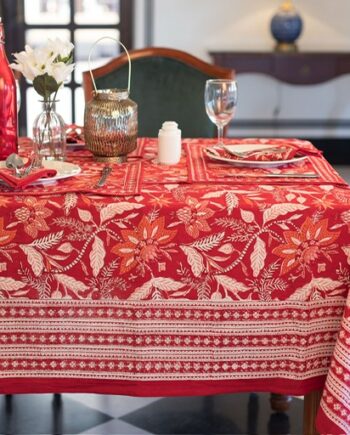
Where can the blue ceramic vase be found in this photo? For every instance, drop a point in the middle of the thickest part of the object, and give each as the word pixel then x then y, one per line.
pixel 286 27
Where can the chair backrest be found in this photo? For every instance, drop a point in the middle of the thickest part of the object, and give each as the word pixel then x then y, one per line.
pixel 167 85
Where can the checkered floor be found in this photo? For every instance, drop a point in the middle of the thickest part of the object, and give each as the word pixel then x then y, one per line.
pixel 102 414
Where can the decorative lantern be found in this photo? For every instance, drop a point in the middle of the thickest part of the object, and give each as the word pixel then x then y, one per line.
pixel 110 120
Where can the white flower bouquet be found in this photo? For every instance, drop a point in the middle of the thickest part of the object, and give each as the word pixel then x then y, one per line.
pixel 47 67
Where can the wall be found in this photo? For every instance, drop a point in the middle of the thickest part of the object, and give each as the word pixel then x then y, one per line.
pixel 200 26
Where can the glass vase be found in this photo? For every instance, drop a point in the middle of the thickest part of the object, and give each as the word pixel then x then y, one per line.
pixel 49 134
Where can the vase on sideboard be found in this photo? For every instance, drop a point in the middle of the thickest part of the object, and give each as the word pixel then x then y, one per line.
pixel 286 27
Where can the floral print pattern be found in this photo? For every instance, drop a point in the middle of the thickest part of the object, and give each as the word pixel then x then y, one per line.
pixel 178 240
pixel 193 244
pixel 195 216
pixel 306 246
pixel 5 236
pixel 145 244
pixel 32 215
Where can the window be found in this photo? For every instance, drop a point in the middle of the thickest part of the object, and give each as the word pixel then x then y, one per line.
pixel 80 21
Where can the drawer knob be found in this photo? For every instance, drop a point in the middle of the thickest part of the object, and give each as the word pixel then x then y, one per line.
pixel 305 70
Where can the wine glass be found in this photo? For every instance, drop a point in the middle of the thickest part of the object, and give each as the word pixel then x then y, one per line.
pixel 18 95
pixel 220 98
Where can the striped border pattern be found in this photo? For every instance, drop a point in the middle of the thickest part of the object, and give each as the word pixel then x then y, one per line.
pixel 335 403
pixel 165 340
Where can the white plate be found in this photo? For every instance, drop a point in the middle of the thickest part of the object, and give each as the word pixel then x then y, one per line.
pixel 251 163
pixel 64 170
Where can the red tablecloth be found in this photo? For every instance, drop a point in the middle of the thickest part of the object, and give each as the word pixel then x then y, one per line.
pixel 189 287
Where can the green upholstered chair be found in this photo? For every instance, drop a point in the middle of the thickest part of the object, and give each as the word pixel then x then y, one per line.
pixel 167 85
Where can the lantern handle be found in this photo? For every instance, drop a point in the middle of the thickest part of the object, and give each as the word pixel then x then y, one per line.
pixel 127 54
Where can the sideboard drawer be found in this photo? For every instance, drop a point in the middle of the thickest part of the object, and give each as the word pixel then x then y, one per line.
pixel 305 70
pixel 300 68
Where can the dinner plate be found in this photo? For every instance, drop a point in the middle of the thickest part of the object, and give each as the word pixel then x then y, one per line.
pixel 210 152
pixel 64 170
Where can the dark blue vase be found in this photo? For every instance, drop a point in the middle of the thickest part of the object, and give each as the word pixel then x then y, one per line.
pixel 286 27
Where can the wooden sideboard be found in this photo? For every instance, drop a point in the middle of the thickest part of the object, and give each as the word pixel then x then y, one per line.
pixel 300 68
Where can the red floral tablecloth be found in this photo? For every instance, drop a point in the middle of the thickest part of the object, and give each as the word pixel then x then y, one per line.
pixel 183 287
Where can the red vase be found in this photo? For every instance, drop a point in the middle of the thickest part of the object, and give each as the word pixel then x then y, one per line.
pixel 8 104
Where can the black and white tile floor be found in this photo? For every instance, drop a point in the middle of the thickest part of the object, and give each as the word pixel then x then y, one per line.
pixel 111 415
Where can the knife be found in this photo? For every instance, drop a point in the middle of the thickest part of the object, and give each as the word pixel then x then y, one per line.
pixel 286 175
pixel 105 172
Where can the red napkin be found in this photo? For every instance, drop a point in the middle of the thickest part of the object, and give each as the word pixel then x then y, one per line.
pixel 75 134
pixel 285 153
pixel 21 183
pixel 268 155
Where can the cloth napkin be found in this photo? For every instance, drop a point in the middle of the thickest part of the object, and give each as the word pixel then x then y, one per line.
pixel 273 153
pixel 21 183
pixel 75 134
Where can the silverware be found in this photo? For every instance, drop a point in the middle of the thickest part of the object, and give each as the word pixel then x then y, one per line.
pixel 285 175
pixel 28 169
pixel 104 174
pixel 15 162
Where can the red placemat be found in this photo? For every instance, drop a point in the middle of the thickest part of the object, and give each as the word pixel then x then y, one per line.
pixel 202 169
pixel 155 173
pixel 125 179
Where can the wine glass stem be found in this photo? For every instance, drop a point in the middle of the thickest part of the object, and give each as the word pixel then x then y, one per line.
pixel 220 134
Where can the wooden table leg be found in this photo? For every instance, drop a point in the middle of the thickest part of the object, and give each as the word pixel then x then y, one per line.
pixel 280 402
pixel 57 414
pixel 311 405
pixel 8 414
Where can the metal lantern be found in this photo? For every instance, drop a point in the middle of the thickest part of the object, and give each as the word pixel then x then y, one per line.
pixel 110 121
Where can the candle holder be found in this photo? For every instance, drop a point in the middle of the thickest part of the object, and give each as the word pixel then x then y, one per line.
pixel 110 120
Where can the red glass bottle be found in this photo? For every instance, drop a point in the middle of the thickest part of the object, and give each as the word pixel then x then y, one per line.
pixel 8 103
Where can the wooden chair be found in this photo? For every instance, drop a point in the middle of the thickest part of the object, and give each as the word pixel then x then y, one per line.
pixel 167 85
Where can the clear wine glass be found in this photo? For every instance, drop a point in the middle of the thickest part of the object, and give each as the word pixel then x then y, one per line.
pixel 220 98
